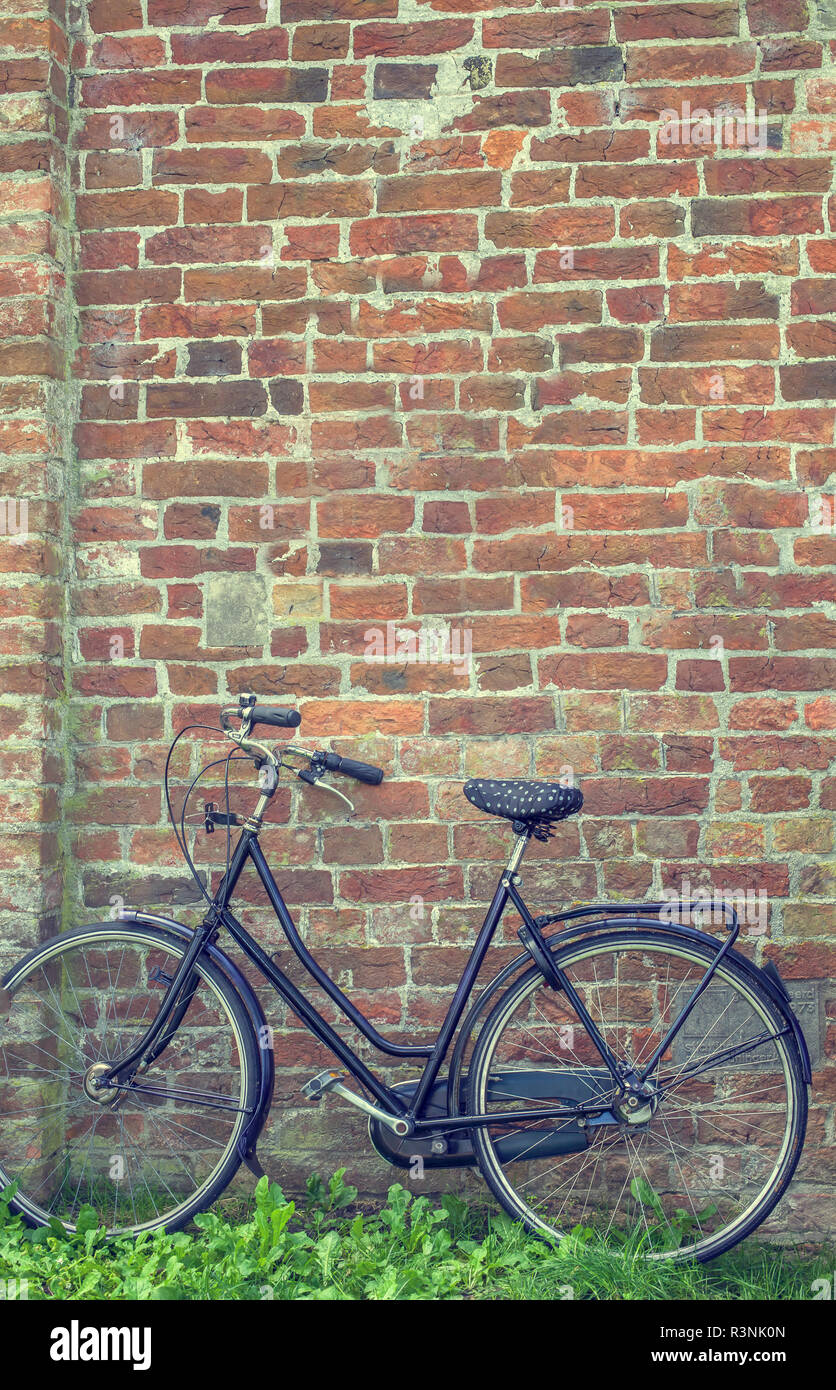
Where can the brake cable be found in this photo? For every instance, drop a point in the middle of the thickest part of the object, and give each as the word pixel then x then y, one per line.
pixel 310 775
pixel 180 834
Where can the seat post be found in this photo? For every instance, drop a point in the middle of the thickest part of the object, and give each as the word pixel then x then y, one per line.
pixel 523 837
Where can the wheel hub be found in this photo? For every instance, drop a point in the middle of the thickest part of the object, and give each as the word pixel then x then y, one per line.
pixel 102 1095
pixel 637 1102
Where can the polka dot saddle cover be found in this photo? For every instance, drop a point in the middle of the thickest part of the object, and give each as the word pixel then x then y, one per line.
pixel 519 799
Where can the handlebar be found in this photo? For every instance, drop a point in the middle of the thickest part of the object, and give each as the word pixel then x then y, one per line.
pixel 279 716
pixel 250 712
pixel 349 767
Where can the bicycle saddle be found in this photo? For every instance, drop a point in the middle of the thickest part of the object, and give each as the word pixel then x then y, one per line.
pixel 518 799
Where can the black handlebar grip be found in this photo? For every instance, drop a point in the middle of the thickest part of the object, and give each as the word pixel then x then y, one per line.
pixel 361 772
pixel 277 715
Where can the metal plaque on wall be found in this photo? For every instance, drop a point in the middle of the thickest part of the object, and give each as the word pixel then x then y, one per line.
pixel 236 610
pixel 722 1019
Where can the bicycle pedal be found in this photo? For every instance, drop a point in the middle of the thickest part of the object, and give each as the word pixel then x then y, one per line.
pixel 319 1084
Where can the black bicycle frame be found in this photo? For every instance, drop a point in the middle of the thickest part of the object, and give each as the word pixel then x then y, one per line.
pixel 181 988
pixel 249 847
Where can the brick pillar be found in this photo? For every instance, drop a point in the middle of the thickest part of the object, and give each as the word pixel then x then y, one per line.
pixel 34 436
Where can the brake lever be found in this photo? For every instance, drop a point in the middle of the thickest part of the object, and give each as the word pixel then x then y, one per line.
pixel 313 780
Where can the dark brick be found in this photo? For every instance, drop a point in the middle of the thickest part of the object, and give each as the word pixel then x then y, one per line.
pixel 236 398
pixel 287 396
pixel 560 67
pixel 214 359
pixel 339 558
pixel 810 381
pixel 405 80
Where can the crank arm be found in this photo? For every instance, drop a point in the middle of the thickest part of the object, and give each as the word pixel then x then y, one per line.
pixel 330 1080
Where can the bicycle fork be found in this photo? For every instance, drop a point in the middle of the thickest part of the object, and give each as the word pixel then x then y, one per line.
pixel 180 992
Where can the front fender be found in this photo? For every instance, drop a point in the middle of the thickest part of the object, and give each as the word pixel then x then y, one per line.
pixel 267 1064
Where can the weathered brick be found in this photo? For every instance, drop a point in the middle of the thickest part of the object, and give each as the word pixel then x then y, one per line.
pixel 758 217
pixel 404 81
pixel 715 344
pixel 422 38
pixel 812 381
pixel 140 208
pixel 234 123
pixel 384 235
pixel 440 192
pixel 172 86
pixel 776 16
pixel 211 166
pixel 320 42
pixel 560 67
pixel 264 45
pixel 241 85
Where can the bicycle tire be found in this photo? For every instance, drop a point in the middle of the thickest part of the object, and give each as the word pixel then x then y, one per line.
pixel 246 1042
pixel 496 1176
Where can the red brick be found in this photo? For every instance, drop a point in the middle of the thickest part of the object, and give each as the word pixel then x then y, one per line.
pixel 173 86
pixel 384 235
pixel 320 42
pixel 776 16
pixel 419 38
pixel 266 84
pixel 141 208
pixel 418 193
pixel 729 343
pixel 218 123
pixel 672 22
pixel 756 217
pixel 264 45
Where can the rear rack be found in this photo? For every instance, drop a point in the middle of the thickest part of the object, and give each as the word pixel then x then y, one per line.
pixel 643 910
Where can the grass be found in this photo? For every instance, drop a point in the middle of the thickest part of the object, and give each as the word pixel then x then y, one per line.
pixel 325 1248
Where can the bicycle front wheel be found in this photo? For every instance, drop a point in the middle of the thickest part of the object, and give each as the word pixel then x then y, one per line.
pixel 143 1158
pixel 689 1172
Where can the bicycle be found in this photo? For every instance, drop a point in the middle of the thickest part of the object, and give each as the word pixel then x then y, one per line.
pixel 627 1071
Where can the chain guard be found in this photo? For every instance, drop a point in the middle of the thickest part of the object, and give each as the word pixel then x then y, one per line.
pixel 561 1085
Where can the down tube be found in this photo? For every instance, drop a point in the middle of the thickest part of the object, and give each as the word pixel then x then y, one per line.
pixel 309 1015
pixel 354 1015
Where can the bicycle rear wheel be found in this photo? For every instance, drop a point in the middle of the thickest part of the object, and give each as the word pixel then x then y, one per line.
pixel 689 1174
pixel 143 1158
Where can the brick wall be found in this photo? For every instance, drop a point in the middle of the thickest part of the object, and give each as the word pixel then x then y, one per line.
pixel 432 314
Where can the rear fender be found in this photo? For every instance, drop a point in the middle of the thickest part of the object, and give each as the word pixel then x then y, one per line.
pixel 771 980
